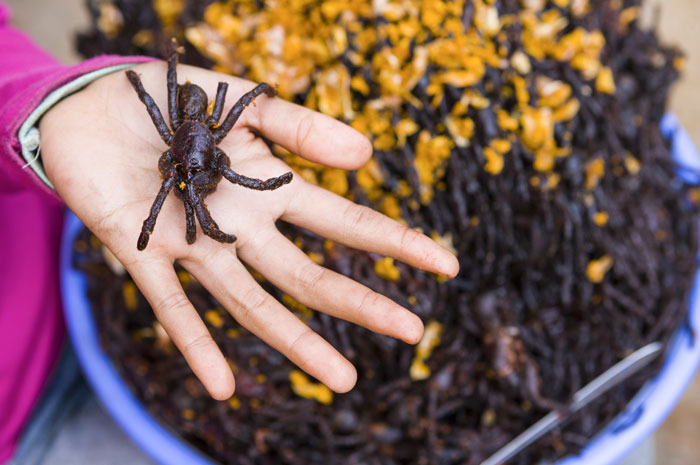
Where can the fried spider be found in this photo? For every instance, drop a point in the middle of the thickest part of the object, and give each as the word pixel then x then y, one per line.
pixel 193 162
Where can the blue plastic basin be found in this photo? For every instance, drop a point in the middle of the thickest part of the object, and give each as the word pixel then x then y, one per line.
pixel 641 417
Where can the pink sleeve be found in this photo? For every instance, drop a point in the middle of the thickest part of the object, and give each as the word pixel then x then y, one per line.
pixel 32 331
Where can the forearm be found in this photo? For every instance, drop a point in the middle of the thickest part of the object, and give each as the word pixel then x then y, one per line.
pixel 27 76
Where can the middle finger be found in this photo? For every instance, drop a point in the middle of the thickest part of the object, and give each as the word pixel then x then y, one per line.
pixel 290 269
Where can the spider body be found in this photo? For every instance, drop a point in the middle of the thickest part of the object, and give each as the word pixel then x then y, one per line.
pixel 194 165
pixel 193 148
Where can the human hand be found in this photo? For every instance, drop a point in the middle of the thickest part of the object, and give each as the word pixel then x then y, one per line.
pixel 100 151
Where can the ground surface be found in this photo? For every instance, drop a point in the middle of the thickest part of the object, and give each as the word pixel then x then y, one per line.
pixel 52 24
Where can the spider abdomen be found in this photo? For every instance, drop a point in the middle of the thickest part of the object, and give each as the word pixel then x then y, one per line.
pixel 193 147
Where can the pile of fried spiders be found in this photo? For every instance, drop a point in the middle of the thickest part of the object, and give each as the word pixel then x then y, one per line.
pixel 193 161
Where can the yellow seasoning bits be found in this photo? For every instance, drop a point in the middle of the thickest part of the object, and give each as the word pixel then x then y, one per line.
pixel 628 15
pixel 460 77
pixel 679 64
pixel 404 128
pixel 370 179
pixel 601 218
pixel 507 122
pixel 694 195
pixel 552 93
pixel 188 414
pixel 520 62
pixel 308 390
pixel 335 180
pixel 234 402
pixel 604 82
pixel 553 180
pixel 184 277
pixel 333 92
pixel 596 269
pixel 386 269
pixel 461 130
pixel 488 418
pixel 359 84
pixel 431 339
pixel 494 155
pixel 391 207
pixel 544 161
pixel 521 93
pixel 303 311
pixel 181 185
pixel 567 111
pixel 502 146
pixel 233 333
pixel 595 170
pixel 110 20
pixel 168 11
pixel 431 154
pixel 632 164
pixel 494 161
pixel 214 318
pixel 538 127
pixel 486 19
pixel 445 241
pixel 316 257
pixel 580 7
pixel 129 293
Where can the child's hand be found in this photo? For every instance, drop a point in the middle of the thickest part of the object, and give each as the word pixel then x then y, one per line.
pixel 101 152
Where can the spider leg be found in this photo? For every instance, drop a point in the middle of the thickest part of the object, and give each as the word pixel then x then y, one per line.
pixel 151 106
pixel 209 226
pixel 191 234
pixel 150 222
pixel 257 184
pixel 172 88
pixel 223 163
pixel 235 113
pixel 213 120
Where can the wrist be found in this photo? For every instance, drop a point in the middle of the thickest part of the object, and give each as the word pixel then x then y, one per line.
pixel 30 132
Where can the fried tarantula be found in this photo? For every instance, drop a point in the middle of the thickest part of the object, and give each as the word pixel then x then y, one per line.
pixel 193 162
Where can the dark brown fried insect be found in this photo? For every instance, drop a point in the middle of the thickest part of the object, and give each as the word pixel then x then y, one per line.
pixel 507 354
pixel 193 162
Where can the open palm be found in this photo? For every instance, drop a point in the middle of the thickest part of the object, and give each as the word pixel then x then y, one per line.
pixel 100 150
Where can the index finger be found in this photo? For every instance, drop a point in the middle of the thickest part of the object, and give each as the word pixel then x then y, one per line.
pixel 332 216
pixel 310 134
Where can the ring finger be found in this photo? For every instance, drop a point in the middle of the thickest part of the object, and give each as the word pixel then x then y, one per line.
pixel 231 284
